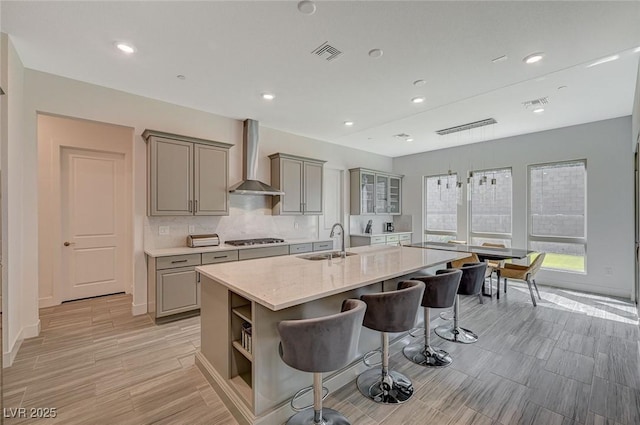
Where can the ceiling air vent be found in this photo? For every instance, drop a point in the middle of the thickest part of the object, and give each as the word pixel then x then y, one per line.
pixel 401 135
pixel 467 126
pixel 326 51
pixel 536 102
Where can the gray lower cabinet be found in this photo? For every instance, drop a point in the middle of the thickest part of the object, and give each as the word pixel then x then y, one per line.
pixel 186 176
pixel 390 239
pixel 173 285
pixel 178 291
pixel 269 251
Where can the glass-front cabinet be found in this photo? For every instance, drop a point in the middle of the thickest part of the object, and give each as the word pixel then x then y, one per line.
pixel 367 193
pixel 375 192
pixel 382 194
pixel 395 195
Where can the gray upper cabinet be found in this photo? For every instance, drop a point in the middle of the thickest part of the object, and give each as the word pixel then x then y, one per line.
pixel 186 176
pixel 301 181
pixel 375 192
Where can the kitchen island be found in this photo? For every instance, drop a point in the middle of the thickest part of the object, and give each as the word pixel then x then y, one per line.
pixel 252 380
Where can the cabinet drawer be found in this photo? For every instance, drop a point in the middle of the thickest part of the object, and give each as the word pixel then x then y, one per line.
pixel 178 261
pixel 393 238
pixel 405 237
pixel 271 251
pixel 219 257
pixel 299 248
pixel 378 240
pixel 322 246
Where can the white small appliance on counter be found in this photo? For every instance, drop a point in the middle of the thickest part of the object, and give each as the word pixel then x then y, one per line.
pixel 195 241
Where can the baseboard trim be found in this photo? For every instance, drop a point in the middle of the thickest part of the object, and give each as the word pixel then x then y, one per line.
pixel 46 302
pixel 9 357
pixel 31 331
pixel 138 309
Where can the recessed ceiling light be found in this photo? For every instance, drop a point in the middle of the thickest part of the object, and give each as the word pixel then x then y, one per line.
pixel 268 96
pixel 181 77
pixel 538 110
pixel 604 60
pixel 533 58
pixel 348 123
pixel 125 48
pixel 375 53
pixel 418 99
pixel 307 7
pixel 410 139
pixel 636 50
pixel 419 83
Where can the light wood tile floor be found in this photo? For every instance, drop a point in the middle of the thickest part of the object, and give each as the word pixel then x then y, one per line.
pixel 575 359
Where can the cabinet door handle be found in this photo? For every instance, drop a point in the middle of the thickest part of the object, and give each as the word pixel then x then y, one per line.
pixel 190 204
pixel 178 261
pixel 195 206
pixel 220 256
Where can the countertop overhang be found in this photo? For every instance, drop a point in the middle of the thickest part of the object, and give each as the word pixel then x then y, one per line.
pixel 281 282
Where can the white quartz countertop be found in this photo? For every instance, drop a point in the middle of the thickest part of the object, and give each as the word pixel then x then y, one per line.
pixel 370 235
pixel 164 252
pixel 282 282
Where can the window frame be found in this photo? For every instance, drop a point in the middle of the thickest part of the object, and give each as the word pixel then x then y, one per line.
pixel 557 239
pixel 426 232
pixel 487 235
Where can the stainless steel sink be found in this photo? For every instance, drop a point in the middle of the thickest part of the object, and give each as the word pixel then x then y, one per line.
pixel 324 255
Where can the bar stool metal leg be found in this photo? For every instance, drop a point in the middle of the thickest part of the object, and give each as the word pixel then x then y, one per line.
pixel 454 332
pixel 424 354
pixel 317 415
pixel 385 386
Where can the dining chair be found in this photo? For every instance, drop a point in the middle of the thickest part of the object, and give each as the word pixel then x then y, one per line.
pixel 521 272
pixel 493 265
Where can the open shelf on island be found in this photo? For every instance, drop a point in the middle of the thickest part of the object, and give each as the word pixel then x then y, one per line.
pixel 238 346
pixel 242 385
pixel 243 312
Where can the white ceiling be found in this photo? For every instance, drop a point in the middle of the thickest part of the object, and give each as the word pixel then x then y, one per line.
pixel 232 51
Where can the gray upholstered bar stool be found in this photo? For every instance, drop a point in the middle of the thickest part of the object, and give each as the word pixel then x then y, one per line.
pixel 439 292
pixel 393 311
pixel 318 345
pixel 470 284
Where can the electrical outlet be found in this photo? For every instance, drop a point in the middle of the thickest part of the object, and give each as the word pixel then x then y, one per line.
pixel 163 230
pixel 608 270
pixel 296 225
pixel 192 229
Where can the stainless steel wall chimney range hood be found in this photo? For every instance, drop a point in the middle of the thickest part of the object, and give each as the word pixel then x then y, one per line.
pixel 249 184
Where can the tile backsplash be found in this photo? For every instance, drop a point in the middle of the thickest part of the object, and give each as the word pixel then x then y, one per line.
pixel 249 217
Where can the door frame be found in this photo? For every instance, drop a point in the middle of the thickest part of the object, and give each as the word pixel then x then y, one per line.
pixel 636 248
pixel 66 292
pixel 109 138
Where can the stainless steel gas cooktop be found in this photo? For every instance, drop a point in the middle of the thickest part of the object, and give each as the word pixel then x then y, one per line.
pixel 258 241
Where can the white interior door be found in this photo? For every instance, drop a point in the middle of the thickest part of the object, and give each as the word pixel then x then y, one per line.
pixel 93 223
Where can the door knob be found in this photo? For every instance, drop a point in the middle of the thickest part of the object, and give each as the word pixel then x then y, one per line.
pixel 67 243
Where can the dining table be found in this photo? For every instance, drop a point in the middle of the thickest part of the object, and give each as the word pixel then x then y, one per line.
pixel 483 253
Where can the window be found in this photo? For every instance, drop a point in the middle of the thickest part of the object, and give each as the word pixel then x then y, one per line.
pixel 490 207
pixel 441 199
pixel 557 214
